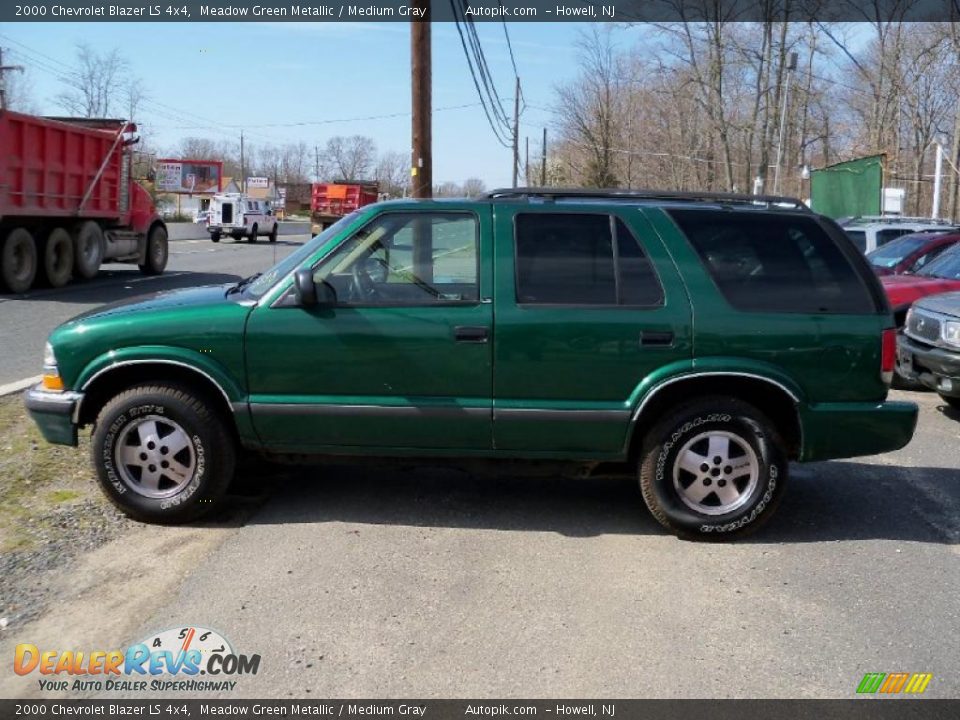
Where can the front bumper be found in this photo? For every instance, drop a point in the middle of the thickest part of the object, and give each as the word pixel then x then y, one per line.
pixel 843 430
pixel 55 413
pixel 934 367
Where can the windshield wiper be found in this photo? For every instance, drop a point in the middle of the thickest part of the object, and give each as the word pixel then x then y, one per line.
pixel 243 283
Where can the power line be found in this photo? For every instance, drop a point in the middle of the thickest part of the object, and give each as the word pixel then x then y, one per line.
pixel 476 83
pixel 510 48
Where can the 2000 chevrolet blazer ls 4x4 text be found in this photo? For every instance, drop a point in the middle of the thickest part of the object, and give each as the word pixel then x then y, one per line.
pixel 703 341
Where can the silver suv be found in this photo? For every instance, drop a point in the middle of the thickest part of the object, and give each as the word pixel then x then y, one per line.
pixel 871 231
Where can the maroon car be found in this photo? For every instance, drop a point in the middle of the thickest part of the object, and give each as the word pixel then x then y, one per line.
pixel 909 253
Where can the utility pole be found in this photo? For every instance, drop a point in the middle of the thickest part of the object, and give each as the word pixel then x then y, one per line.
pixel 937 172
pixel 516 131
pixel 421 167
pixel 543 160
pixel 526 164
pixel 791 66
pixel 3 84
pixel 316 162
pixel 243 167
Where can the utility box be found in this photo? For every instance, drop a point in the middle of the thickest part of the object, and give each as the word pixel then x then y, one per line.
pixel 893 201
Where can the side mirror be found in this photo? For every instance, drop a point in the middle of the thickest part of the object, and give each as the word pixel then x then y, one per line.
pixel 310 293
pixel 305 287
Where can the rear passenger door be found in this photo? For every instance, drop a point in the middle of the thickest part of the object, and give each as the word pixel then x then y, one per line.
pixel 587 304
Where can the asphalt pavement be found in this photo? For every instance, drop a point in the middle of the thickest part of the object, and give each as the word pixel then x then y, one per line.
pixel 408 581
pixel 26 320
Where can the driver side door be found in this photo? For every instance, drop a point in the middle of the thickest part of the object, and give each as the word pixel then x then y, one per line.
pixel 401 361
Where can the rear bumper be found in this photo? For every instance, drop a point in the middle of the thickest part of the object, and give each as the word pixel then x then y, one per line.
pixel 933 367
pixel 54 414
pixel 842 430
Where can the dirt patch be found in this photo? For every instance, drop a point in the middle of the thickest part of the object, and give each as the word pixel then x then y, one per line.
pixel 51 511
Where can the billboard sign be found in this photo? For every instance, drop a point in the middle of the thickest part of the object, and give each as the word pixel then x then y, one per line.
pixel 189 176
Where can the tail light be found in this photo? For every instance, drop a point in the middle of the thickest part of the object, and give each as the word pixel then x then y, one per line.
pixel 888 354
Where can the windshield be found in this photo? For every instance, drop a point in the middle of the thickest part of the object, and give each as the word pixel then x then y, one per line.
pixel 896 250
pixel 946 266
pixel 287 265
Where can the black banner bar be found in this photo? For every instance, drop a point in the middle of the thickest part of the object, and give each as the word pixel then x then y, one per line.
pixel 858 709
pixel 480 10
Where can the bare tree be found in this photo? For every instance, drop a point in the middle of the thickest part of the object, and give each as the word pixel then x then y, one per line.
pixel 94 89
pixel 473 187
pixel 351 157
pixel 393 173
pixel 587 108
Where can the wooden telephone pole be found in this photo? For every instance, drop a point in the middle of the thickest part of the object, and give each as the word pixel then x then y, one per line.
pixel 3 85
pixel 421 166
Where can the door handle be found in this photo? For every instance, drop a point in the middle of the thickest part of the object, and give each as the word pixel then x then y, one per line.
pixel 656 338
pixel 470 333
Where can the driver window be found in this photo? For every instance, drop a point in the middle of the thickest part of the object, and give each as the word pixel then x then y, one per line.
pixel 406 259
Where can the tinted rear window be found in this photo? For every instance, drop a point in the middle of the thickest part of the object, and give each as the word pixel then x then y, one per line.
pixel 576 259
pixel 764 262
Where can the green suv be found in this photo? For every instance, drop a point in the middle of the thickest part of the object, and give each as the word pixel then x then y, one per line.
pixel 699 342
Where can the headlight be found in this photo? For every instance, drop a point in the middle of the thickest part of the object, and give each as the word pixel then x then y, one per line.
pixel 51 373
pixel 950 333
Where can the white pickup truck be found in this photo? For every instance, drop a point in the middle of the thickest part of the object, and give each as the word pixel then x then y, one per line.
pixel 239 216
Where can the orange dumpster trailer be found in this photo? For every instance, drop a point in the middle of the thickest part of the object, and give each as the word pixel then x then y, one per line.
pixel 68 202
pixel 331 201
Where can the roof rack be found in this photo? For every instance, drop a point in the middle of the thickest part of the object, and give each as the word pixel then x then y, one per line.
pixel 666 195
pixel 894 219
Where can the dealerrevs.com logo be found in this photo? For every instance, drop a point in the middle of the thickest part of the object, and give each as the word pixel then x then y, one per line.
pixel 173 660
pixel 894 683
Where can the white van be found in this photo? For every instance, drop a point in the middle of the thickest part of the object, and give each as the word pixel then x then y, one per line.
pixel 239 216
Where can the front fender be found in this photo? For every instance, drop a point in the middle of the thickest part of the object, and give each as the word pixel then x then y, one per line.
pixel 231 389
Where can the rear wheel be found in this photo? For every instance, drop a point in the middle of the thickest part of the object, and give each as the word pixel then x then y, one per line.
pixel 18 260
pixel 252 237
pixel 162 454
pixel 87 250
pixel 215 237
pixel 713 469
pixel 157 252
pixel 953 402
pixel 58 258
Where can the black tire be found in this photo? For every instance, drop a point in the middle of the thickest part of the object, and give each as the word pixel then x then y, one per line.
pixel 670 491
pixel 210 450
pixel 57 258
pixel 157 251
pixel 215 237
pixel 252 237
pixel 88 248
pixel 274 232
pixel 18 261
pixel 953 402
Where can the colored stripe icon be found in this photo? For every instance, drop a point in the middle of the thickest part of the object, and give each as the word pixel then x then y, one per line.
pixel 892 683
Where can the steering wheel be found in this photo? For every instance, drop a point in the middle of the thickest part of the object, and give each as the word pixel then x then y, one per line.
pixel 363 287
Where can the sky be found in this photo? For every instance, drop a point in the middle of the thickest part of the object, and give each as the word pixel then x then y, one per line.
pixel 211 80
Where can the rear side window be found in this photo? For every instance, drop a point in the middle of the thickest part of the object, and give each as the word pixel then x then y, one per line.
pixel 774 263
pixel 582 259
pixel 859 238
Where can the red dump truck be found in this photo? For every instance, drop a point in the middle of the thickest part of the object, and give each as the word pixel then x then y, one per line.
pixel 68 202
pixel 331 201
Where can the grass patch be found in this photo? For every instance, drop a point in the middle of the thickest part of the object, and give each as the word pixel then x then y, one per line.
pixel 35 477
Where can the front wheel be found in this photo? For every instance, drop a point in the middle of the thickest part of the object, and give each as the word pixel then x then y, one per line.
pixel 714 469
pixel 162 454
pixel 252 237
pixel 215 237
pixel 274 233
pixel 157 252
